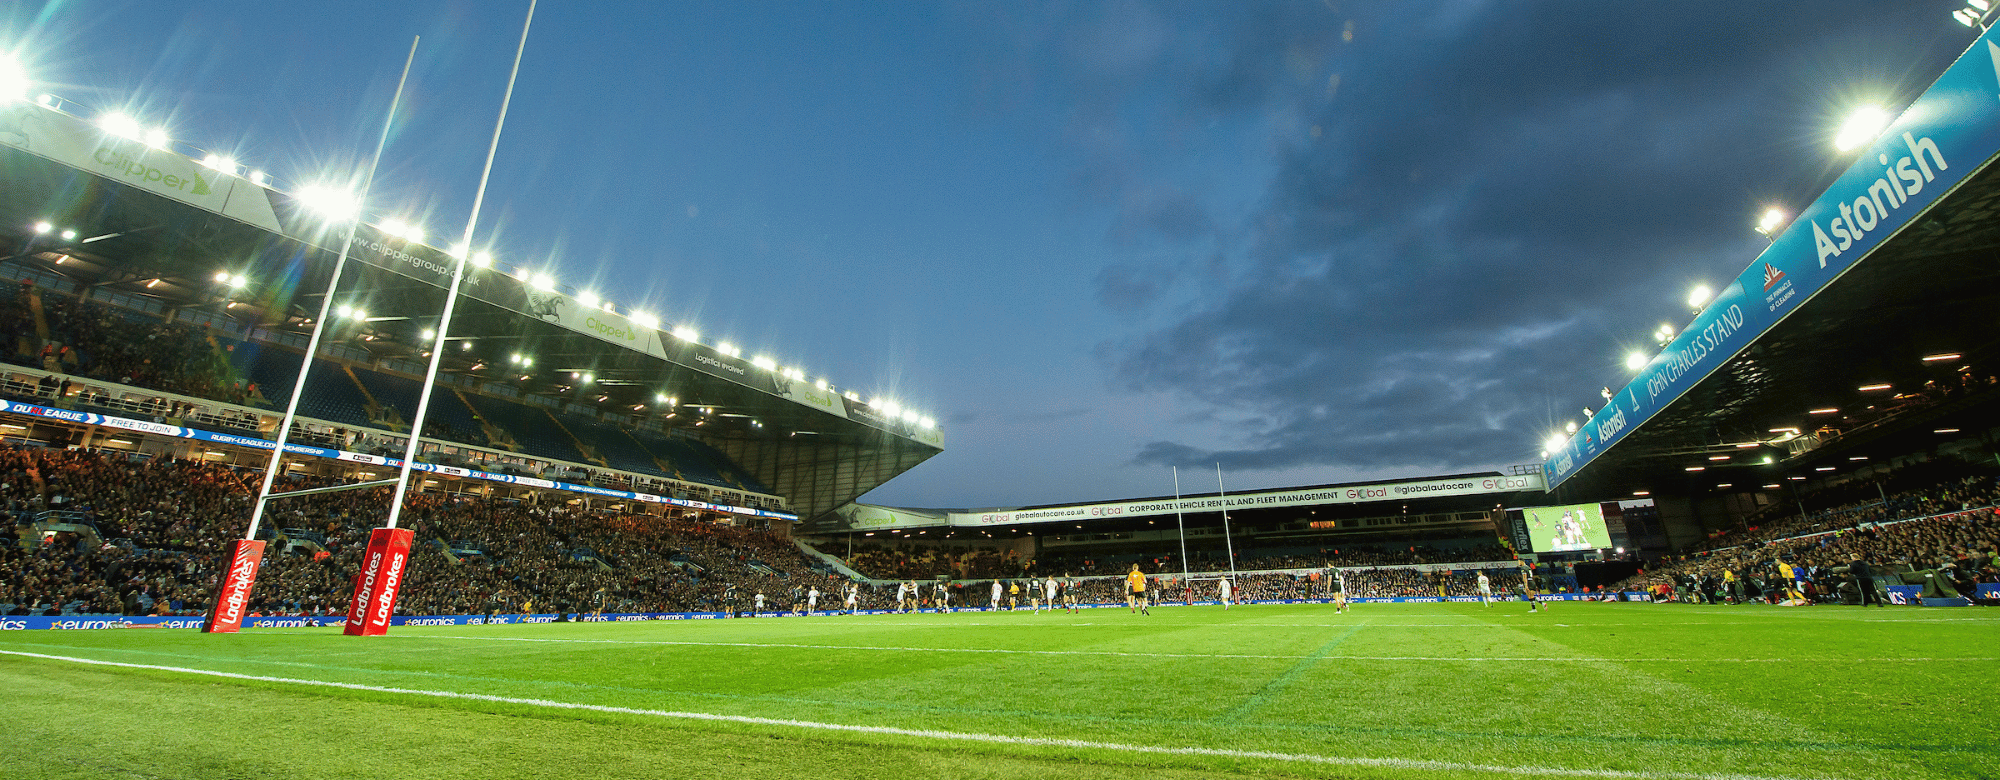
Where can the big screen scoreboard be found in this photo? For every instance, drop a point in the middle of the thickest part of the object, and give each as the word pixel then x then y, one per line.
pixel 1566 528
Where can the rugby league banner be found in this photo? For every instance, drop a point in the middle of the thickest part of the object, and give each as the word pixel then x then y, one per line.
pixel 383 567
pixel 232 600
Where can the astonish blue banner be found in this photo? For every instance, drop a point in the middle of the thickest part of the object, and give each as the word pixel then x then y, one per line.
pixel 1951 131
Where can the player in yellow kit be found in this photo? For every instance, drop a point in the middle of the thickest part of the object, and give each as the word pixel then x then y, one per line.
pixel 1135 591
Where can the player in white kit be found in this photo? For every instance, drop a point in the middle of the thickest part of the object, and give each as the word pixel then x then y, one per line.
pixel 1226 591
pixel 997 590
pixel 1049 589
pixel 812 600
pixel 853 596
pixel 1485 590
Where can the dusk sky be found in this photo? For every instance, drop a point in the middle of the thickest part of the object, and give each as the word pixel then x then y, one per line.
pixel 1313 242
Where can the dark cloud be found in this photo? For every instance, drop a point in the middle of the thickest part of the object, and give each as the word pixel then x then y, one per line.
pixel 1131 288
pixel 1443 268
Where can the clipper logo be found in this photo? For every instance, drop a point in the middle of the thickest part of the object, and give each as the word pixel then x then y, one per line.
pixel 125 164
pixel 610 330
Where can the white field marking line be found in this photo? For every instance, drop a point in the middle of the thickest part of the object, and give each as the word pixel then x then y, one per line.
pixel 1121 654
pixel 958 736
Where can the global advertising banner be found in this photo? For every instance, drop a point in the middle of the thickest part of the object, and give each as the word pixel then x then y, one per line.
pixel 1950 132
pixel 1566 528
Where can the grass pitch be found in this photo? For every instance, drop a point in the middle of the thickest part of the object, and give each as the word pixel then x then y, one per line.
pixel 1406 690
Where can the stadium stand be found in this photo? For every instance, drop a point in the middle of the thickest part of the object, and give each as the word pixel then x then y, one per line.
pixel 1948 528
pixel 131 346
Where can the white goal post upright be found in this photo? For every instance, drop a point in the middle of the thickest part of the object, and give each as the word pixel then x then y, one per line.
pixel 384 563
pixel 1229 543
pixel 245 555
pixel 1178 524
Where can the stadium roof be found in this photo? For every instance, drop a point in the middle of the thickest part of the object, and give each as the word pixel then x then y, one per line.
pixel 1864 331
pixel 115 215
pixel 1933 290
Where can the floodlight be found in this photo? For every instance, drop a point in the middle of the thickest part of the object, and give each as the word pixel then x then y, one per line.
pixel 219 163
pixel 344 310
pixel 222 276
pixel 927 422
pixel 238 280
pixel 1569 427
pixel 1981 6
pixel 68 235
pixel 1861 127
pixel 1966 17
pixel 258 178
pixel 588 299
pixel 646 320
pixel 542 281
pixel 1773 218
pixel 686 334
pixel 1700 296
pixel 13 78
pixel 729 349
pixel 763 362
pixel 482 259
pixel 429 333
pixel 1555 442
pixel 336 204
pixel 44 227
pixel 119 124
pixel 157 138
pixel 1635 361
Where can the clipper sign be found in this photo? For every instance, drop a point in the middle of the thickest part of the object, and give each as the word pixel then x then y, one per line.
pixel 1947 134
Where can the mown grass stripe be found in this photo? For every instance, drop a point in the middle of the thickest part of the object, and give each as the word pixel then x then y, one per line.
pixel 933 734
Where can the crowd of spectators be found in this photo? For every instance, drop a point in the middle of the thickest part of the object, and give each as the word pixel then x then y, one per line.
pixel 98 342
pixel 147 536
pixel 1949 529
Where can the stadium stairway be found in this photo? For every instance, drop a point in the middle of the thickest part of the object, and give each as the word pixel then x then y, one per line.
pixel 830 560
pixel 589 452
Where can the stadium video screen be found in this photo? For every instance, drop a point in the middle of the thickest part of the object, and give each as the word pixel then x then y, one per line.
pixel 1566 528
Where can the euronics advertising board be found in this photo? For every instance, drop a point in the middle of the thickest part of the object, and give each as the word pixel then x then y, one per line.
pixel 1950 132
pixel 1566 528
